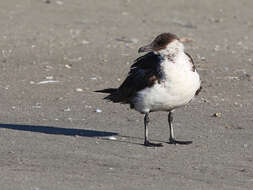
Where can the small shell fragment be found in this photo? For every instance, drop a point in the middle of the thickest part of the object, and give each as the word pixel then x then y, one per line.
pixel 47 81
pixel 93 78
pixel 112 138
pixel 79 89
pixel 59 2
pixel 67 109
pixel 98 110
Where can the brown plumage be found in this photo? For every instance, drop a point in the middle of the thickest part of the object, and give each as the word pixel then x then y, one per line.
pixel 162 40
pixel 143 73
pixel 152 83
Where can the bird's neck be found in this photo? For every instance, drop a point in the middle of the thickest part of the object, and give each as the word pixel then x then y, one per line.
pixel 172 57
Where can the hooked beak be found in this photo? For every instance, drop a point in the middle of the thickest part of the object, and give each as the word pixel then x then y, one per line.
pixel 146 48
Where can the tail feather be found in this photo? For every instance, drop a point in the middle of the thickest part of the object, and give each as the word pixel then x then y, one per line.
pixel 113 94
pixel 107 90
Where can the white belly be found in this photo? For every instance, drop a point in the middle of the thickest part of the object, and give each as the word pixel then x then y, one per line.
pixel 177 90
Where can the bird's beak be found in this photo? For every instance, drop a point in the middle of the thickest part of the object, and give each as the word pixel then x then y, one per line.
pixel 146 48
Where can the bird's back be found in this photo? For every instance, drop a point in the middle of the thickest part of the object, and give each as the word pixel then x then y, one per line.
pixel 143 73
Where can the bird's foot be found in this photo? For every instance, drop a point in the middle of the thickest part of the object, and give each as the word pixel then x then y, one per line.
pixel 174 141
pixel 149 144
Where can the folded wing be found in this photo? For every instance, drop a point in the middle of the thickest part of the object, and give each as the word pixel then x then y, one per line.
pixel 144 73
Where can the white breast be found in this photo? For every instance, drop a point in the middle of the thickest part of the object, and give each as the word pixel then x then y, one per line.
pixel 177 87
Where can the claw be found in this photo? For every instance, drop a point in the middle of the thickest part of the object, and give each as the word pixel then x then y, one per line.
pixel 173 141
pixel 149 144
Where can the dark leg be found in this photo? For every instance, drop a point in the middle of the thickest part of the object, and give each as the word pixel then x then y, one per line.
pixel 172 139
pixel 146 141
pixel 146 121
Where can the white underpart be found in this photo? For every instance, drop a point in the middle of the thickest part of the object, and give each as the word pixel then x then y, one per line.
pixel 177 87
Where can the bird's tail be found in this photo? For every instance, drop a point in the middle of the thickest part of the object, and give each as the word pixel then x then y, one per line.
pixel 113 94
pixel 107 90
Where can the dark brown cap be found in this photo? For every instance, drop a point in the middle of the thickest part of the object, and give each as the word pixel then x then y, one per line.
pixel 160 42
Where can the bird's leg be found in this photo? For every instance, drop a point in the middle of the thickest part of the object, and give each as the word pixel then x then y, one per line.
pixel 146 121
pixel 172 137
pixel 146 141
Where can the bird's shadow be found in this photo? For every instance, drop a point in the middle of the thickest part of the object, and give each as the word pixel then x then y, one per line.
pixel 58 130
pixel 69 132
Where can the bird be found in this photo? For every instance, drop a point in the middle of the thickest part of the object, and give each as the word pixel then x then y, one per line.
pixel 163 79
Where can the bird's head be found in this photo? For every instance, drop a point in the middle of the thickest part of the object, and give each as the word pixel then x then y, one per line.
pixel 165 44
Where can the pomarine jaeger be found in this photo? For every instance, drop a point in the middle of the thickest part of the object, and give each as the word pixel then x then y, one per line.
pixel 163 79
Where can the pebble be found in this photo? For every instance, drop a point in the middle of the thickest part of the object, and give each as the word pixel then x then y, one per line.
pixel 67 109
pixel 68 66
pixel 205 100
pixel 217 114
pixel 49 77
pixel 59 2
pixel 217 48
pixel 84 42
pixel 36 106
pixel 202 58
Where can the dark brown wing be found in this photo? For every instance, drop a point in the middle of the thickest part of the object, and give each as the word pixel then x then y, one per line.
pixel 191 60
pixel 144 72
pixel 147 61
